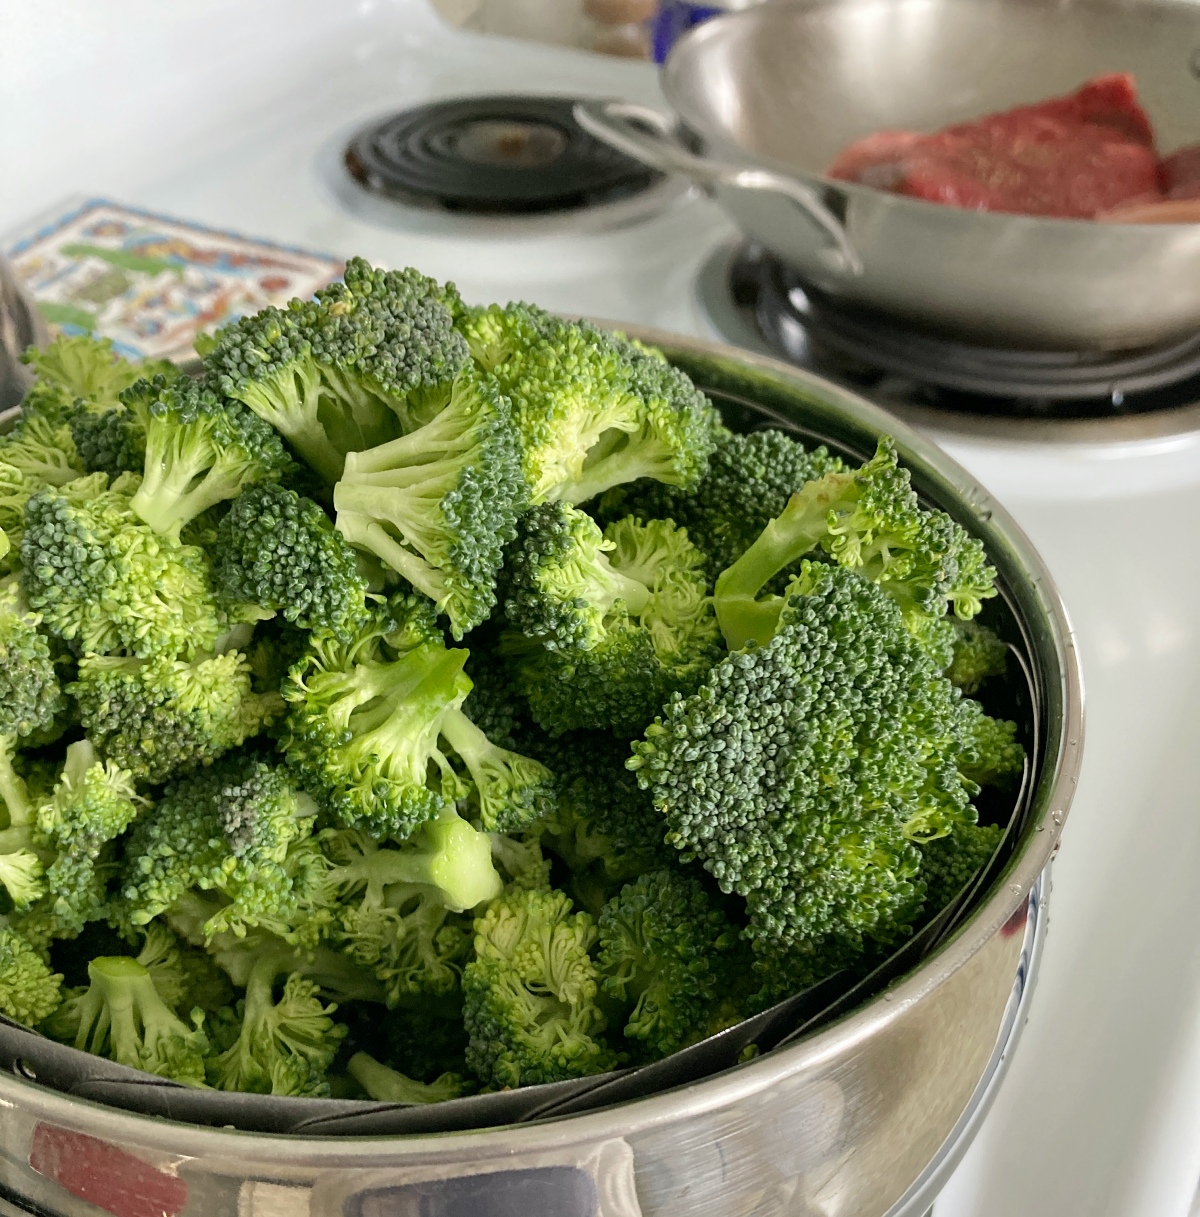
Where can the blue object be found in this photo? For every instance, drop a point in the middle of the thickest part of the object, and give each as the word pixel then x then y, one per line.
pixel 674 19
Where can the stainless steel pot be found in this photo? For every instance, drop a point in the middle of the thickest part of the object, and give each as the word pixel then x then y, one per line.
pixel 767 97
pixel 863 1117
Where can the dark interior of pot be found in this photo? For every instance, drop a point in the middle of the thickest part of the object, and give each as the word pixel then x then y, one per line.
pixel 796 82
pixel 1030 695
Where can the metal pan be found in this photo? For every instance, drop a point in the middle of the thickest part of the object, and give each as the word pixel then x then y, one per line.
pixel 766 98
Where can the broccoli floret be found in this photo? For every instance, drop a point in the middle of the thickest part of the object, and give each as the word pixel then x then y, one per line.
pixel 611 625
pixel 159 717
pixel 979 654
pixel 949 863
pixel 604 826
pixel 387 1086
pixel 42 451
pixel 122 1016
pixel 279 1047
pixel 103 579
pixel 111 441
pixel 29 991
pixel 93 803
pixel 368 725
pixel 201 449
pixel 995 756
pixel 662 944
pixel 345 372
pixel 281 552
pixel 186 979
pixel 439 504
pixel 803 772
pixel 227 828
pixel 529 995
pixel 396 904
pixel 871 521
pixel 749 482
pixel 80 367
pixel 493 705
pixel 31 697
pixel 425 1038
pixel 593 409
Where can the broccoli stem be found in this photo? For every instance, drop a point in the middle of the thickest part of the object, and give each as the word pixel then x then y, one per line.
pixel 13 789
pixel 360 529
pixel 170 497
pixel 387 1086
pixel 609 465
pixel 446 853
pixel 792 534
pixel 291 407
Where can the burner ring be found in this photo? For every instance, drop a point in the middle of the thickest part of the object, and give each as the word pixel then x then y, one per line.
pixel 493 156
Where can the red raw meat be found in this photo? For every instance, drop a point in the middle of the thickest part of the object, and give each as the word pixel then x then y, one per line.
pixel 1181 173
pixel 1072 156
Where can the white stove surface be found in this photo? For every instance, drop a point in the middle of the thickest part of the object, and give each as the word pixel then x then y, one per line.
pixel 160 105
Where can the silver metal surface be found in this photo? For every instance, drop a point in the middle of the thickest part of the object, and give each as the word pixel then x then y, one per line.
pixel 21 326
pixel 860 1118
pixel 773 93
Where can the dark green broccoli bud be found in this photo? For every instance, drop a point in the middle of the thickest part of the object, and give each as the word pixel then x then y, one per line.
pixel 493 705
pixel 593 410
pixel 280 1047
pixel 387 1086
pixel 103 579
pixel 979 654
pixel 869 520
pixel 93 803
pixel 109 441
pixel 529 995
pixel 604 825
pixel 281 552
pixel 802 773
pixel 121 1016
pixel 397 905
pixel 29 991
pixel 201 449
pixel 438 505
pixel 995 756
pixel 226 828
pixel 30 695
pixel 949 863
pixel 42 451
pixel 661 948
pixel 612 626
pixel 161 717
pixel 344 372
pixel 425 1037
pixel 749 482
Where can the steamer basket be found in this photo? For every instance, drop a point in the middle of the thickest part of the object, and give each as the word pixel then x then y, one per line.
pixel 861 1106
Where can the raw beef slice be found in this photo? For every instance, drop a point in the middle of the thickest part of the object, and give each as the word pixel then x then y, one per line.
pixel 1072 156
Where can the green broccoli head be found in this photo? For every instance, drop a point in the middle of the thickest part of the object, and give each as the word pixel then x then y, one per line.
pixel 397 906
pixel 93 803
pixel 869 520
pixel 651 625
pixel 347 371
pixel 228 829
pixel 749 482
pixel 111 441
pixel 979 654
pixel 949 863
pixel 281 1047
pixel 803 772
pixel 104 580
pixel 160 717
pixel 439 504
pixel 122 1016
pixel 30 694
pixel 593 410
pixel 79 367
pixel 201 449
pixel 29 991
pixel 663 949
pixel 529 995
pixel 185 978
pixel 279 551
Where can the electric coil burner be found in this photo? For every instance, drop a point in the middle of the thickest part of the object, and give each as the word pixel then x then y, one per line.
pixel 905 366
pixel 493 156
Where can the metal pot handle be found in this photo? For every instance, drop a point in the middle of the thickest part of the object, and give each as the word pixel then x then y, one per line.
pixel 649 136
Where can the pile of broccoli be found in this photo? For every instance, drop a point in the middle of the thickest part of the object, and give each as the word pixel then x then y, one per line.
pixel 424 699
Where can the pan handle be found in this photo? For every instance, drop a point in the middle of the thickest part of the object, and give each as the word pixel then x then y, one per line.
pixel 649 136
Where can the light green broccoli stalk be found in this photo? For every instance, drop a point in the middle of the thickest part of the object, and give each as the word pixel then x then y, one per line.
pixel 388 1086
